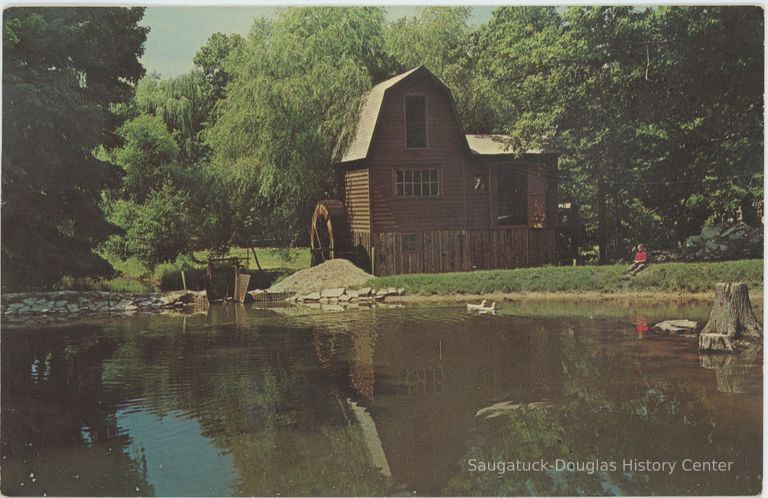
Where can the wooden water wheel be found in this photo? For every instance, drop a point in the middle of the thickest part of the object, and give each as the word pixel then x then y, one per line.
pixel 329 236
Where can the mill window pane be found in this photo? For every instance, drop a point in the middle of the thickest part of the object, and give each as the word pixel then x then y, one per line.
pixel 416 182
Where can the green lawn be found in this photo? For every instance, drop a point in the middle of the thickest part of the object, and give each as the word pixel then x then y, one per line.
pixel 663 277
pixel 295 258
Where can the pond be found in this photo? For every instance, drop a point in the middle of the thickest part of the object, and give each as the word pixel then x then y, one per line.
pixel 545 399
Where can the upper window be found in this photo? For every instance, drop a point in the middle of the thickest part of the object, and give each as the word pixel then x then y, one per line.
pixel 415 121
pixel 417 183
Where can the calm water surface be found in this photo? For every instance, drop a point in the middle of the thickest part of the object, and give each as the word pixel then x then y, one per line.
pixel 246 401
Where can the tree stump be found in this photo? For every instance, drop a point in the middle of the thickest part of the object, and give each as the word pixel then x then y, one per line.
pixel 731 319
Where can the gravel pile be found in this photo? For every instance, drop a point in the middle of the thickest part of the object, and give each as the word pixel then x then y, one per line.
pixel 336 273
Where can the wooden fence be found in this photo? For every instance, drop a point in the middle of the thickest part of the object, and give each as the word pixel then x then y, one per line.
pixel 438 251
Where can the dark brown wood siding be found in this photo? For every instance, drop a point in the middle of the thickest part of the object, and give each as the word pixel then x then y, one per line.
pixel 456 230
pixel 552 199
pixel 357 200
pixel 478 199
pixel 445 152
pixel 438 251
pixel 537 195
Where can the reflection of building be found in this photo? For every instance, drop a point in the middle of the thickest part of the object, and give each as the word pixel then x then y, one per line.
pixel 361 371
pixel 430 382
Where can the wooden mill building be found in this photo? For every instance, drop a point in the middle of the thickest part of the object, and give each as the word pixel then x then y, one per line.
pixel 418 195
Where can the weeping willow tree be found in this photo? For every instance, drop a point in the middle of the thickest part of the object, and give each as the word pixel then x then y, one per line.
pixel 169 202
pixel 295 89
pixel 182 103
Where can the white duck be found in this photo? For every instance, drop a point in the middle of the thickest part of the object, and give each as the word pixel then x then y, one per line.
pixel 490 310
pixel 477 306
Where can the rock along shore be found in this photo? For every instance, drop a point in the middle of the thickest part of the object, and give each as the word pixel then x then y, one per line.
pixel 62 305
pixel 334 295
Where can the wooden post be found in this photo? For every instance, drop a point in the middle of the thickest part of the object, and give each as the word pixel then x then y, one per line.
pixel 184 280
pixel 373 260
pixel 236 295
pixel 573 226
pixel 602 238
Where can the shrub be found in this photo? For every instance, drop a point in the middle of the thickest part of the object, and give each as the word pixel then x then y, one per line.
pixel 167 276
pixel 155 231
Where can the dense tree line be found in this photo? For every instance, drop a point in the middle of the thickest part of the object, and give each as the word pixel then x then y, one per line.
pixel 658 113
pixel 62 69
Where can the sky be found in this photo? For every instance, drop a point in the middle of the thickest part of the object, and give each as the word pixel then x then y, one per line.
pixel 176 33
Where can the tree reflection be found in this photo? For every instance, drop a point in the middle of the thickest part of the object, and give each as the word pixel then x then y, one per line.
pixel 53 396
pixel 649 417
pixel 379 402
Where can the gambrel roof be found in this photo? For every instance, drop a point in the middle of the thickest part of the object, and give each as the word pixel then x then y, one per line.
pixel 369 113
pixel 369 117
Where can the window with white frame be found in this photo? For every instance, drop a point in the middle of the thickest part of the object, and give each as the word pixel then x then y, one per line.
pixel 417 182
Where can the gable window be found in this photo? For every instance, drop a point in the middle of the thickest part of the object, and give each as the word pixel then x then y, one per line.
pixel 415 121
pixel 417 182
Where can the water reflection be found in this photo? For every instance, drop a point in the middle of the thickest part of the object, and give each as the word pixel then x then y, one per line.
pixel 641 326
pixel 251 401
pixel 196 469
pixel 734 373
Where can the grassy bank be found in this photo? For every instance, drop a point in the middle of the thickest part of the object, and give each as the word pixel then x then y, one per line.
pixel 665 277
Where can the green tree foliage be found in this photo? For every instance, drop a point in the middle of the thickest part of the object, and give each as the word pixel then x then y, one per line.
pixel 705 144
pixel 162 152
pixel 62 68
pixel 155 230
pixel 441 39
pixel 658 111
pixel 147 156
pixel 295 89
pixel 213 59
pixel 436 38
pixel 183 103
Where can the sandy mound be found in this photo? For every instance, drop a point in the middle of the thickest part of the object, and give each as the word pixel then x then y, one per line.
pixel 331 274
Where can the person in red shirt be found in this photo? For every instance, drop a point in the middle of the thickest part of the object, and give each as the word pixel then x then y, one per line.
pixel 640 262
